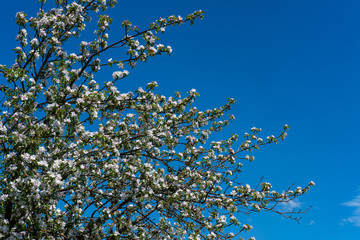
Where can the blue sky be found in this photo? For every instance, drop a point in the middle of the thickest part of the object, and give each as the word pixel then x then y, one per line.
pixel 285 62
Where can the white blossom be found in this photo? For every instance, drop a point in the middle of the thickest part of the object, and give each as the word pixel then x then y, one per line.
pixel 84 159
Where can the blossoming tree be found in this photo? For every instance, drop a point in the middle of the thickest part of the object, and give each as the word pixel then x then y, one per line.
pixel 81 160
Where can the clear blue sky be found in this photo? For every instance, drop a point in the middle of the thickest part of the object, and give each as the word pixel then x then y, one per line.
pixel 293 62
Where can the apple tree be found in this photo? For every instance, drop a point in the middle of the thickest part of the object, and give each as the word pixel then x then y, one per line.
pixel 80 159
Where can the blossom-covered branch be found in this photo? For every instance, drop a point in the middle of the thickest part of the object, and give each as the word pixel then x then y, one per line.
pixel 79 159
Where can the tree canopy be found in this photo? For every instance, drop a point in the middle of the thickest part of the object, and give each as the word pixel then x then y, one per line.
pixel 80 159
